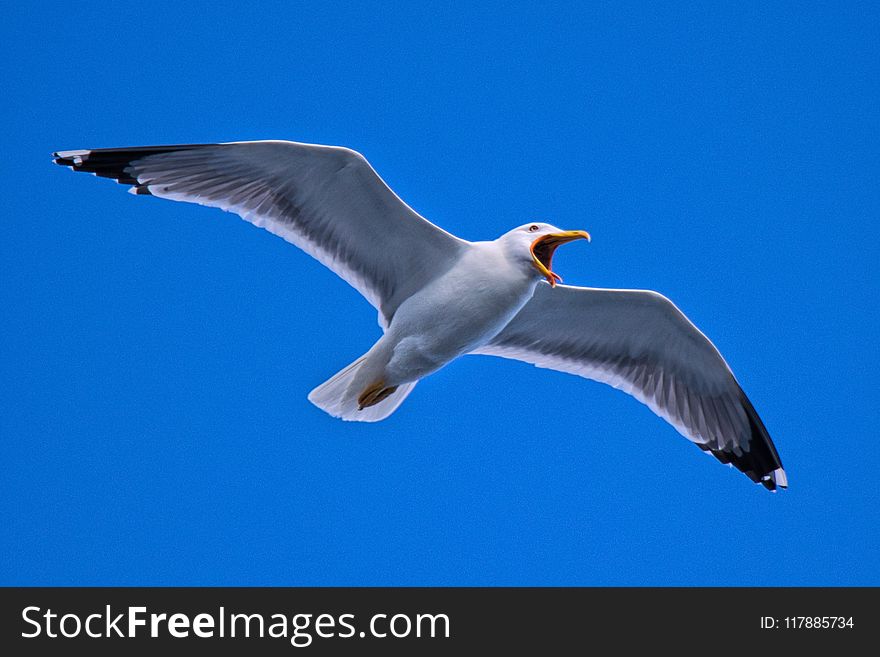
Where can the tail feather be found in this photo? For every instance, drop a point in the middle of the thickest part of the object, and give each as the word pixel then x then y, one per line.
pixel 338 396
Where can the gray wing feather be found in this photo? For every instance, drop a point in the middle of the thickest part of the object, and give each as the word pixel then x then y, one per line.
pixel 326 200
pixel 639 342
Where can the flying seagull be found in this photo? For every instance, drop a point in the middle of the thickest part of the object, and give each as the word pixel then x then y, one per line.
pixel 440 297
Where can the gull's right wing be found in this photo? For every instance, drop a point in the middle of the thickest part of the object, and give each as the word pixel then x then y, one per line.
pixel 326 200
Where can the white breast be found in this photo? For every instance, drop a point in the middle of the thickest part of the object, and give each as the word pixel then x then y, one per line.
pixel 456 313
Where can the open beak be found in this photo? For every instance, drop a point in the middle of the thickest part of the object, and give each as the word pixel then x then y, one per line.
pixel 545 246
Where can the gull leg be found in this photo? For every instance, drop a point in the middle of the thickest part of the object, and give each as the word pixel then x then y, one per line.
pixel 373 394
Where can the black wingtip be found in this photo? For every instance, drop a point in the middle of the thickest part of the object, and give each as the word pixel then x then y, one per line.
pixel 63 159
pixel 115 162
pixel 761 463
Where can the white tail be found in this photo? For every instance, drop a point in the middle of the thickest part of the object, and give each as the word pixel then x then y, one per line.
pixel 338 395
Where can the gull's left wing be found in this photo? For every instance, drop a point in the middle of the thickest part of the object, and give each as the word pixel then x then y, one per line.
pixel 639 342
pixel 326 200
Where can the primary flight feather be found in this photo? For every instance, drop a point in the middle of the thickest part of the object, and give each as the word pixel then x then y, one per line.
pixel 440 297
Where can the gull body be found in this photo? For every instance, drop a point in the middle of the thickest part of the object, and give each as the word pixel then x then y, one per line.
pixel 439 297
pixel 457 312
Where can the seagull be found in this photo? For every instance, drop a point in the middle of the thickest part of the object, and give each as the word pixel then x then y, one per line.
pixel 440 297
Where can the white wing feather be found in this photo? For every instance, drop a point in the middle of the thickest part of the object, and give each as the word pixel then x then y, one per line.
pixel 326 200
pixel 639 342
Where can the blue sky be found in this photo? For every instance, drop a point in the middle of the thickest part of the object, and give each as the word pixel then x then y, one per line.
pixel 156 357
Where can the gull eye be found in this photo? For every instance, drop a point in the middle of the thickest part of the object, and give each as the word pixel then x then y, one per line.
pixel 533 228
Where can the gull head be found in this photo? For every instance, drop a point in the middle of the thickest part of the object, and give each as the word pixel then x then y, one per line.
pixel 536 243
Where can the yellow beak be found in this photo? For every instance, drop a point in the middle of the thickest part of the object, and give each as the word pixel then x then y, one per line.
pixel 545 246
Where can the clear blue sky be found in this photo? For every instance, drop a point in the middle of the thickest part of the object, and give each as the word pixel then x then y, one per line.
pixel 156 356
